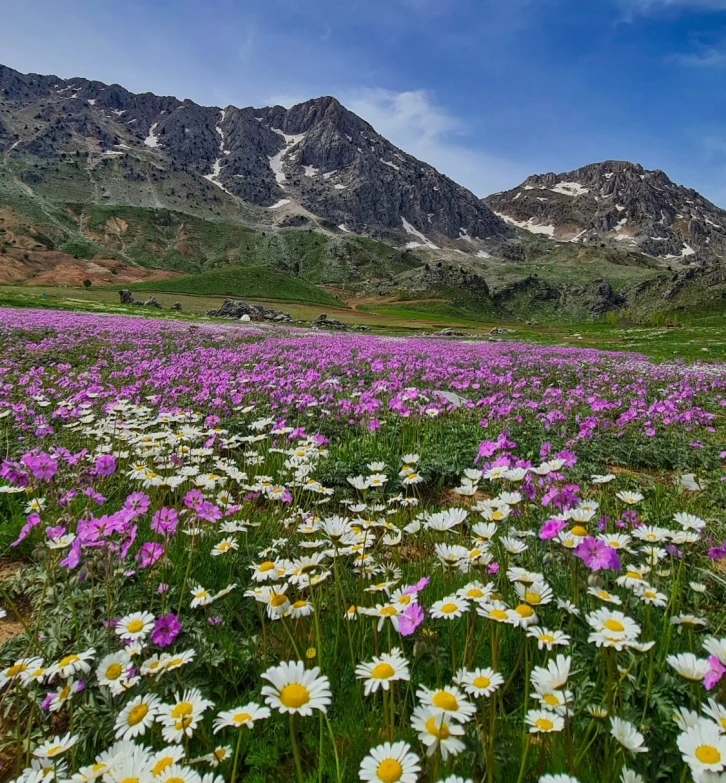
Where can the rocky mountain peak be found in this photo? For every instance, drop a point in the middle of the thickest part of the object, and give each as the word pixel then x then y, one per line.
pixel 316 159
pixel 619 203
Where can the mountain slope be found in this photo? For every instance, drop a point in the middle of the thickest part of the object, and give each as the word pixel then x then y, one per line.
pixel 621 203
pixel 314 163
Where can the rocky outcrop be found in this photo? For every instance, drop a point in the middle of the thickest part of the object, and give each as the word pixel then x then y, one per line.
pixel 237 309
pixel 619 204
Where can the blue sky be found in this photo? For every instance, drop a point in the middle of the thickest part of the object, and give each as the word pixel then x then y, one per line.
pixel 488 91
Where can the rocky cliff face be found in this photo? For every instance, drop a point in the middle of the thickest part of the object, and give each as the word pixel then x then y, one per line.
pixel 618 203
pixel 317 157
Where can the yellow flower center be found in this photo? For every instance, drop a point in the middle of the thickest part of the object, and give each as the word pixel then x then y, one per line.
pixel 449 608
pixel 475 592
pixel 482 682
pixel 475 553
pixel 182 709
pixel 579 530
pixel 389 611
pixel 614 625
pixel 55 750
pixel 17 669
pixel 532 598
pixel 137 714
pixel 389 771
pixel 175 779
pixel 278 600
pixel 438 730
pixel 445 701
pixel 161 765
pixel 383 671
pixel 498 614
pixel 294 695
pixel 174 662
pixel 544 724
pixel 65 693
pixel 634 575
pixel 497 514
pixel 129 780
pixel 135 626
pixel 550 699
pixel 300 604
pixel 68 660
pixel 241 717
pixel 405 600
pixel 708 754
pixel 114 671
pixel 650 594
pixel 524 611
pixel 268 565
pixel 547 638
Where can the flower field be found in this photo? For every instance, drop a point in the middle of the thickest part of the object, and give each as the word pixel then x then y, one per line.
pixel 264 555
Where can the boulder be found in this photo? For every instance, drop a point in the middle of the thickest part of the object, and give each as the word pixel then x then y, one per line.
pixel 323 322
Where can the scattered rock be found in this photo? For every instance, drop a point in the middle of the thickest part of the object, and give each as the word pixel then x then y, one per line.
pixel 323 322
pixel 127 298
pixel 449 332
pixel 177 306
pixel 502 330
pixel 454 399
pixel 237 309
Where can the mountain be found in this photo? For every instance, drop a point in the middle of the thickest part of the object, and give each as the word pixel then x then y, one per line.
pixel 314 164
pixel 103 185
pixel 619 204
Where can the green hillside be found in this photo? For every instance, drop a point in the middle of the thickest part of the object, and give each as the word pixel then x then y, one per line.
pixel 245 282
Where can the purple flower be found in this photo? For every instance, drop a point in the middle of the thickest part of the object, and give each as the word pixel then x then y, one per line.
pixel 55 532
pixel 42 466
pixel 597 555
pixel 138 503
pixel 165 521
pixel 166 629
pixel 209 512
pixel 216 620
pixel 32 521
pixel 552 528
pixel 97 496
pixel 718 552
pixel 716 671
pixel 410 619
pixel 105 465
pixel 149 553
pixel 194 499
pixel 162 588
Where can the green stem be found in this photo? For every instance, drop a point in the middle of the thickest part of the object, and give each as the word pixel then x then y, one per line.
pixel 295 749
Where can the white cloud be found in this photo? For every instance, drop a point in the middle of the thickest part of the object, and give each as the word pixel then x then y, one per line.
pixel 413 121
pixel 646 6
pixel 708 58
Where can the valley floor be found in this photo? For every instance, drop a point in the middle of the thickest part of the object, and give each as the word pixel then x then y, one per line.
pixel 700 338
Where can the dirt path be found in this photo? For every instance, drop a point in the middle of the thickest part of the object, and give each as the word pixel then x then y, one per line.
pixel 10 627
pixel 379 300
